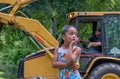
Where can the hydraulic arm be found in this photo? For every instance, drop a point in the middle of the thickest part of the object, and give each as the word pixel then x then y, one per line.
pixel 32 27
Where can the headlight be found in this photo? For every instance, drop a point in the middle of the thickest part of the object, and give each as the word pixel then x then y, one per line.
pixel 70 16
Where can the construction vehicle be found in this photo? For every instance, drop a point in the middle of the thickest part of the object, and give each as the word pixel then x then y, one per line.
pixel 105 65
pixel 38 64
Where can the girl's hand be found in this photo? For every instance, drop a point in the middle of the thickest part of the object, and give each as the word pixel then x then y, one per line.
pixel 74 67
pixel 74 42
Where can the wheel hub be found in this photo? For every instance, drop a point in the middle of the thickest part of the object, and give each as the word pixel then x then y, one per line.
pixel 110 76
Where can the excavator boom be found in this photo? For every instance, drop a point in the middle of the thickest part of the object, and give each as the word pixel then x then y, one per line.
pixel 33 27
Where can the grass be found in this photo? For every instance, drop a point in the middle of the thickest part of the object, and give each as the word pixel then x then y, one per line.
pixel 1 74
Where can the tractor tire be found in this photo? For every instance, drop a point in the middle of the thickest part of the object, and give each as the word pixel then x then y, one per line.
pixel 106 71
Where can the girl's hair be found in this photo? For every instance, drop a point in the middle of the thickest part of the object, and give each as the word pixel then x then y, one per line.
pixel 64 30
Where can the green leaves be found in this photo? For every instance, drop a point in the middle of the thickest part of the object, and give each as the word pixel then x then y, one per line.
pixel 15 46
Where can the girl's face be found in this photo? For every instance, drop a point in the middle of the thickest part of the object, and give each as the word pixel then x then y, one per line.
pixel 70 35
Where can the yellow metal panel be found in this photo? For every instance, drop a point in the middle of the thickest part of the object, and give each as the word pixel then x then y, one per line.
pixel 20 2
pixel 14 9
pixel 30 25
pixel 100 13
pixel 5 18
pixel 72 15
pixel 41 66
pixel 7 1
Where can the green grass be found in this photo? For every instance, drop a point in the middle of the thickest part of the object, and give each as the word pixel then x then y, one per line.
pixel 1 74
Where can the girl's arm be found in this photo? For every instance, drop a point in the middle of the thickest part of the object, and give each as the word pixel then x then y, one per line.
pixel 72 56
pixel 55 62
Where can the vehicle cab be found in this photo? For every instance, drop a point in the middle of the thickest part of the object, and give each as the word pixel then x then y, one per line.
pixel 86 24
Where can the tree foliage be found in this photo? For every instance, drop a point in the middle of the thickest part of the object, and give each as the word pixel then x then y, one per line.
pixel 14 45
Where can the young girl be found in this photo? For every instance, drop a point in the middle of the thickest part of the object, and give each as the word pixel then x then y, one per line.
pixel 67 54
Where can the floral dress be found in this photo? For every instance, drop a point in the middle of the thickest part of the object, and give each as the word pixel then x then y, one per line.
pixel 66 73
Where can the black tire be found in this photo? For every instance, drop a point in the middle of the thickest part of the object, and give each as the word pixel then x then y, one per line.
pixel 104 69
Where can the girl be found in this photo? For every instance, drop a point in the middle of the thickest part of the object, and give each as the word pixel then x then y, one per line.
pixel 67 54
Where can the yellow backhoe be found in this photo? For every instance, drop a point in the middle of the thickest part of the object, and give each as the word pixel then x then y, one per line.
pixel 92 66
